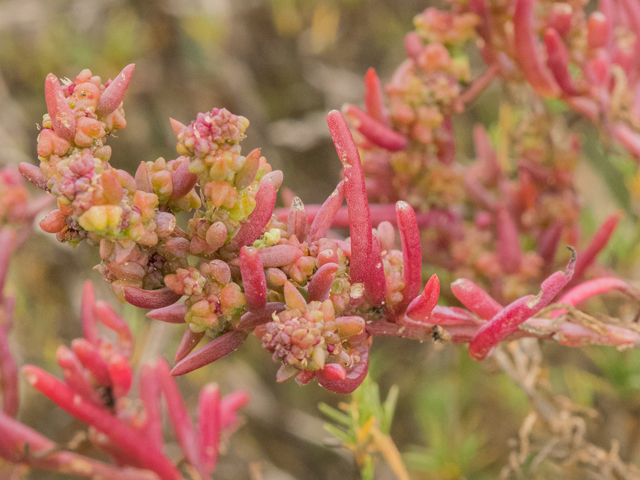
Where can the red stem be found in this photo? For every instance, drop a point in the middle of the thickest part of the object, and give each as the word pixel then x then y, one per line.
pixel 120 434
pixel 110 319
pixel 510 317
pixel 150 397
pixel 180 421
pixel 253 280
pixel 257 220
pixel 229 407
pixel 374 98
pixel 375 131
pixel 92 360
pixel 475 298
pixel 121 375
pixel 76 376
pixel 528 53
pixel 113 95
pixel 21 444
pixel 189 341
pixel 209 423
pixel 356 194
pixel 8 377
pixel 411 253
pixel 214 350
pixel 599 240
pixel 325 215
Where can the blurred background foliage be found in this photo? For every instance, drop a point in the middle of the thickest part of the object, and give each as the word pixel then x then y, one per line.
pixel 283 64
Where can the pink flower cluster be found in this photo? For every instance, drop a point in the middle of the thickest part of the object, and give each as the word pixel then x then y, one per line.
pixel 492 227
pixel 588 61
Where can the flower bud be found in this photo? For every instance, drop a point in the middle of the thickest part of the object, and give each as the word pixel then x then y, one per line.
pixel 178 247
pixel 219 271
pixel 334 371
pixel 183 180
pixel 162 184
pixel 113 191
pixel 247 173
pixel 85 96
pixel 275 277
pixel 49 143
pixel 232 300
pixel 54 222
pixel 221 194
pixel 165 224
pixel 198 245
pixel 143 180
pixel 88 130
pixel 350 326
pixel 216 235
pixel 97 218
pixel 129 271
pixel 302 269
pixel 147 203
pixel 293 298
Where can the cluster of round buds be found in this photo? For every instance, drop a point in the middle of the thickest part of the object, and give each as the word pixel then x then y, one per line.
pixel 424 88
pixel 229 180
pixel 171 182
pixel 449 28
pixel 586 60
pixel 408 153
pixel 214 302
pixel 545 189
pixel 81 112
pixel 408 148
pixel 94 199
pixel 423 180
pixel 209 135
pixel 310 337
pixel 130 264
pixel 329 252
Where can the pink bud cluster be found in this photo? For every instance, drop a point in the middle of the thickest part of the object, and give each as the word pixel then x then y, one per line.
pixel 309 337
pixel 476 217
pixel 587 61
pixel 315 298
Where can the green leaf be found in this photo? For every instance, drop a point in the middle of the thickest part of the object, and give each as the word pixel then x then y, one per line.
pixel 389 409
pixel 335 415
pixel 342 435
pixel 367 469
